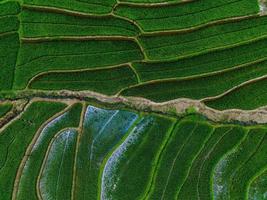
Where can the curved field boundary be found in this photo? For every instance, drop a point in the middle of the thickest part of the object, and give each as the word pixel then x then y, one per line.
pixel 152 22
pixel 80 131
pixel 154 3
pixel 70 118
pixel 104 163
pixel 29 149
pixel 45 160
pixel 230 97
pixel 45 183
pixel 214 152
pixel 135 19
pixel 108 81
pixel 15 144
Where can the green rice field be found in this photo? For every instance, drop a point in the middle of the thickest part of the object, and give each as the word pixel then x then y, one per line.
pixel 133 100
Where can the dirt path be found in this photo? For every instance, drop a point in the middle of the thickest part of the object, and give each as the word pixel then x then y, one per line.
pixel 176 107
pixel 263 7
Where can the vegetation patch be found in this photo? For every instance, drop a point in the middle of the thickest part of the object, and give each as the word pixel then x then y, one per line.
pixel 133 99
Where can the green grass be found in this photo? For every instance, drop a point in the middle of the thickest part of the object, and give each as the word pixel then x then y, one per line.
pixel 247 97
pixel 9 42
pixel 257 189
pixel 15 139
pixel 102 131
pixel 165 47
pixel 71 55
pixel 131 166
pixel 181 16
pixel 198 87
pixel 9 23
pixel 9 8
pixel 91 6
pixel 189 189
pixel 56 178
pixel 254 165
pixel 33 164
pixel 51 24
pixel 228 166
pixel 151 1
pixel 156 49
pixel 106 81
pixel 187 140
pixel 9 48
pixel 229 141
pixel 202 64
pixel 127 157
pixel 5 108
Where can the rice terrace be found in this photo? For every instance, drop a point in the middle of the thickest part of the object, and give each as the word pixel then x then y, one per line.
pixel 133 100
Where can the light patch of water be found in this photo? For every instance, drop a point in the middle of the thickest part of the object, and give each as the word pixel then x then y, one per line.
pixel 220 187
pixel 95 116
pixel 109 178
pixel 257 189
pixel 103 125
pixel 57 152
pixel 99 134
pixel 43 133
